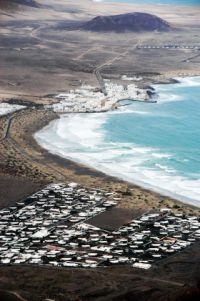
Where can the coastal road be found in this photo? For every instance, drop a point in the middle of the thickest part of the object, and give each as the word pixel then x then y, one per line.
pixel 21 150
pixel 97 71
pixel 11 116
pixel 79 57
pixel 8 124
pixel 6 129
pixel 120 55
pixel 101 81
pixel 191 58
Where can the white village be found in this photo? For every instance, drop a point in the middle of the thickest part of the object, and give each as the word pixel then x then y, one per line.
pixel 52 227
pixel 90 99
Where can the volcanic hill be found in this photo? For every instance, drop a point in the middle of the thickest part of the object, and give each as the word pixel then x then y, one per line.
pixel 135 22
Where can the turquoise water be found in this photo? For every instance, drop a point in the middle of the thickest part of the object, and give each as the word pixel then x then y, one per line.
pixel 170 2
pixel 154 145
pixel 173 127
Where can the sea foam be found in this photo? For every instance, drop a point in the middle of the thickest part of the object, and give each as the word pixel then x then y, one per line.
pixel 158 150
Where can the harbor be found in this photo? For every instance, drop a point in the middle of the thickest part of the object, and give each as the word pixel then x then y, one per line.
pixel 86 98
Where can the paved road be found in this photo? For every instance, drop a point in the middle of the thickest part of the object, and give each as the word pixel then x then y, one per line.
pixel 101 81
pixel 20 149
pixel 6 129
pixel 80 56
pixel 97 71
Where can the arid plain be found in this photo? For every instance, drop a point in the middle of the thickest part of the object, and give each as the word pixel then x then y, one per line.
pixel 40 55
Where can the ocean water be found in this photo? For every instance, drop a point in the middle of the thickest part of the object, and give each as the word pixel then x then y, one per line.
pixel 160 2
pixel 154 145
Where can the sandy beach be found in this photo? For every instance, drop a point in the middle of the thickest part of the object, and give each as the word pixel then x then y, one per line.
pixel 40 166
pixel 41 58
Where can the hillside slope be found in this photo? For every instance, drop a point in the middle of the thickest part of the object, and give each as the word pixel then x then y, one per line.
pixel 127 22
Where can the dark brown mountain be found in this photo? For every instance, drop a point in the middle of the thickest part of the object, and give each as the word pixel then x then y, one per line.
pixel 127 22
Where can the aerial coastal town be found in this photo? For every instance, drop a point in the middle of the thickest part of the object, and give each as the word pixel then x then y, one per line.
pixel 91 99
pixel 87 98
pixel 52 227
pixel 69 231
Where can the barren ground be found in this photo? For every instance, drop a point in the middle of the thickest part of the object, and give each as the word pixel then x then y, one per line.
pixel 40 56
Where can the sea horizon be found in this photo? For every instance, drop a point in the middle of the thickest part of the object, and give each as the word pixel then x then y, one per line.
pixel 159 153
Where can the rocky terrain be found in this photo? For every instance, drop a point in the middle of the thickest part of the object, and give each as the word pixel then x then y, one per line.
pixel 135 22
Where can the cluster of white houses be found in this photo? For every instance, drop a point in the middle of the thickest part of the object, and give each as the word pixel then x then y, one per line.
pixel 52 227
pixel 90 99
pixel 6 108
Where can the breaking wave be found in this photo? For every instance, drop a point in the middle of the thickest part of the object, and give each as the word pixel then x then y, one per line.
pixel 141 143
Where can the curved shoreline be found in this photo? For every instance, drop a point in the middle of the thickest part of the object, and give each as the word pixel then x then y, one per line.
pixel 38 166
pixel 118 178
pixel 164 192
pixel 105 181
